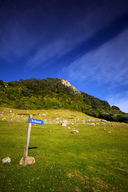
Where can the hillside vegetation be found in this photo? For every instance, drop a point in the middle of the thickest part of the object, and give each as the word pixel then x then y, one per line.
pixel 55 93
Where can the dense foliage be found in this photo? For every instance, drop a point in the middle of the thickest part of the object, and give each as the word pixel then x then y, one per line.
pixel 51 93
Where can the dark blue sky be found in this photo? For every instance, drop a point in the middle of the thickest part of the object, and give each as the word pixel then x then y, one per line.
pixel 82 41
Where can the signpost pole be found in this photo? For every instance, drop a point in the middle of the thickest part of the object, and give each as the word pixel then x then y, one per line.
pixel 27 142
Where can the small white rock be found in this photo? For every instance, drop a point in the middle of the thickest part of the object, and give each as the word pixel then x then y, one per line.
pixel 75 131
pixel 64 124
pixel 6 160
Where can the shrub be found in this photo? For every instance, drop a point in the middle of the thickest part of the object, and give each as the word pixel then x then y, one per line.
pixel 26 93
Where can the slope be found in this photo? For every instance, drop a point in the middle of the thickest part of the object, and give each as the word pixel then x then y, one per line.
pixel 55 93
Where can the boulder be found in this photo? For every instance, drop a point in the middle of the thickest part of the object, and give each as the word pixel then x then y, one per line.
pixel 75 131
pixel 30 160
pixel 92 124
pixel 103 120
pixel 64 124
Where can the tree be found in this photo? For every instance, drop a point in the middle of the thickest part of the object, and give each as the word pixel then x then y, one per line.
pixel 26 93
pixel 115 107
pixel 1 83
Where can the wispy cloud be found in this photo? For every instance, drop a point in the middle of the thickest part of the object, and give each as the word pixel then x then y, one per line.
pixel 120 100
pixel 48 53
pixel 15 42
pixel 108 64
pixel 28 26
pixel 123 105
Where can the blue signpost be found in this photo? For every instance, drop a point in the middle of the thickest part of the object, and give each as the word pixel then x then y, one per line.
pixel 35 121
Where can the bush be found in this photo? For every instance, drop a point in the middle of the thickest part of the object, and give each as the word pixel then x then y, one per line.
pixel 1 83
pixel 26 93
pixel 115 107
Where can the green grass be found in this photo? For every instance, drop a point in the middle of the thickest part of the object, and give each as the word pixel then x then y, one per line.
pixel 92 160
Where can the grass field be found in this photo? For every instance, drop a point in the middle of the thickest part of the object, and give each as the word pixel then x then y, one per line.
pixel 95 159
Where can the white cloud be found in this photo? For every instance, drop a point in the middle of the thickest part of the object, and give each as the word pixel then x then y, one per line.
pixel 15 43
pixel 53 49
pixel 108 64
pixel 123 105
pixel 119 100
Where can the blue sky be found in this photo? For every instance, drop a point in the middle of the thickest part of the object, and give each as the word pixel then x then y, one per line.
pixel 82 41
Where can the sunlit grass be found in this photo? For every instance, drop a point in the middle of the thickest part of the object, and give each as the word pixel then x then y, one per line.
pixel 49 116
pixel 95 159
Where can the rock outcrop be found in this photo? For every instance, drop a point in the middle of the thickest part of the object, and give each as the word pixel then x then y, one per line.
pixel 66 83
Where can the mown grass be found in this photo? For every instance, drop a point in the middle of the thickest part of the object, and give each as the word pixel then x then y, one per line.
pixel 95 159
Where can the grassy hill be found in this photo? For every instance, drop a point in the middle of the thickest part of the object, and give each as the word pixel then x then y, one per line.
pixel 95 159
pixel 54 93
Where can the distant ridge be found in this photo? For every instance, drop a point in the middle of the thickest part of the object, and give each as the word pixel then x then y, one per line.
pixel 56 93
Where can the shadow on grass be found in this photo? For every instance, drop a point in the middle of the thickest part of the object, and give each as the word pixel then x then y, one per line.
pixel 32 147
